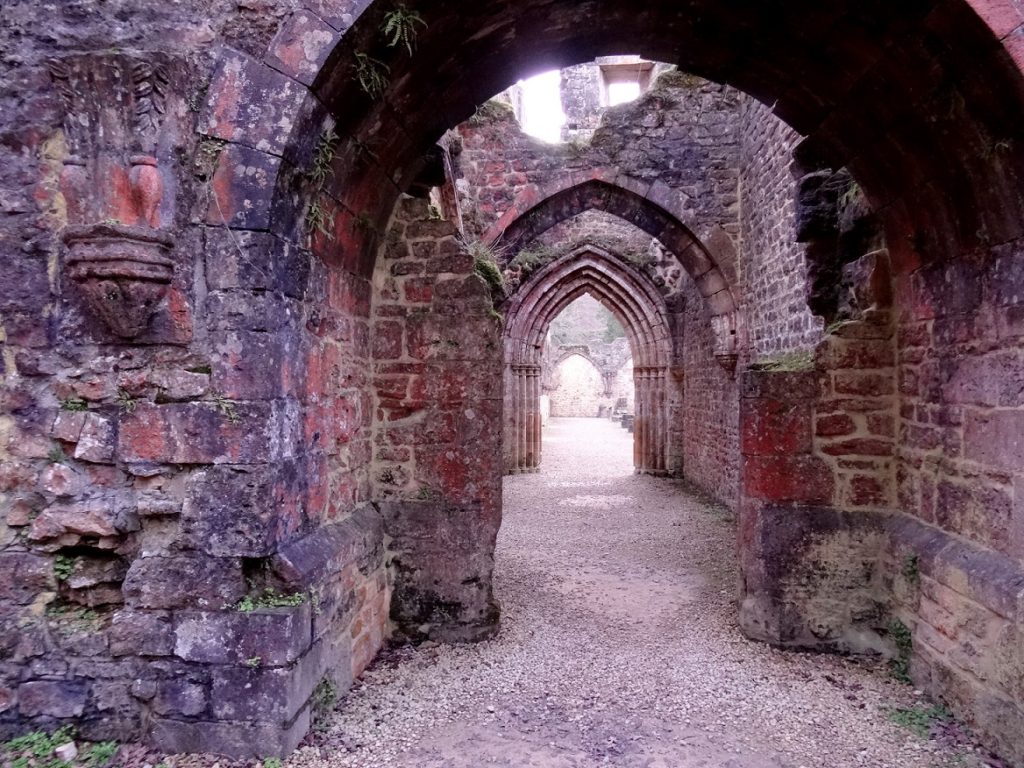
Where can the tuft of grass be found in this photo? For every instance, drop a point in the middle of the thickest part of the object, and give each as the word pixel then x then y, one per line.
pixel 56 455
pixel 788 362
pixel 272 762
pixel 491 111
pixel 74 404
pixel 254 663
pixel 485 264
pixel 904 640
pixel 226 408
pixel 269 598
pixel 919 720
pixel 401 27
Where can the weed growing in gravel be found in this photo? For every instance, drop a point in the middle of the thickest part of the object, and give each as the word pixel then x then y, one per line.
pixel 323 702
pixel 35 750
pixel 919 720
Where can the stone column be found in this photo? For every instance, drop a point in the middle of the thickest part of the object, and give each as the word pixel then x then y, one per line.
pixel 527 418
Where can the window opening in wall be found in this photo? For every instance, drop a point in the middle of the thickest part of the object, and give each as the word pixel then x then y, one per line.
pixel 542 116
pixel 623 93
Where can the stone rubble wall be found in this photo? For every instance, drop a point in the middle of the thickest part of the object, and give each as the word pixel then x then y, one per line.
pixel 773 273
pixel 437 367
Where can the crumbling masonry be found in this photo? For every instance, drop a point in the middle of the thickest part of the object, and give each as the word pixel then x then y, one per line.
pixel 257 401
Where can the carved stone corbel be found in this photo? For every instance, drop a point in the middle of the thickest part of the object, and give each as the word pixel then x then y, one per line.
pixel 122 273
pixel 114 110
pixel 726 332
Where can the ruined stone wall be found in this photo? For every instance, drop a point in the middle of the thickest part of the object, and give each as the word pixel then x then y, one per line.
pixel 683 132
pixel 185 510
pixel 581 101
pixel 773 274
pixel 437 363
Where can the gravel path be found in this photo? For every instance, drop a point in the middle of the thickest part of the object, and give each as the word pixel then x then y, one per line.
pixel 618 647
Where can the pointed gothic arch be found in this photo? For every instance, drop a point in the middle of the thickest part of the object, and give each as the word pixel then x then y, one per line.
pixel 635 302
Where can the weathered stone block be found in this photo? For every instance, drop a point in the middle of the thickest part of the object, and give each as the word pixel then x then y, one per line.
pixel 201 433
pixel 23 576
pixel 301 46
pixel 235 739
pixel 96 441
pixel 782 478
pixel 52 698
pixel 241 510
pixel 141 633
pixel 775 427
pixel 184 581
pixel 250 103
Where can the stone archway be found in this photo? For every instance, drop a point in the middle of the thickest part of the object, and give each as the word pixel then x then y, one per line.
pixel 640 309
pixel 653 208
pixel 922 102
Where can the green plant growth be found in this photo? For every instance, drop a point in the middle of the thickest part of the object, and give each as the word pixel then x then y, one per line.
pixel 35 749
pixel 919 720
pixel 492 110
pixel 911 569
pixel 530 259
pixel 485 264
pixel 269 598
pixel 272 762
pixel 317 220
pixel 100 754
pixel 71 620
pixel 902 637
pixel 126 401
pixel 226 408
pixel 426 494
pixel 323 702
pixel 788 362
pixel 74 404
pixel 372 75
pixel 56 455
pixel 254 663
pixel 63 566
pixel 401 26
pixel 320 170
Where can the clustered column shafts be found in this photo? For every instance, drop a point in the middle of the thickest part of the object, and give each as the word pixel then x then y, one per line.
pixel 651 424
pixel 526 419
